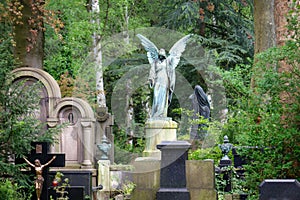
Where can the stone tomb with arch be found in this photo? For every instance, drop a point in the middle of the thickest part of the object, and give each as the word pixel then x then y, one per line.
pixel 78 140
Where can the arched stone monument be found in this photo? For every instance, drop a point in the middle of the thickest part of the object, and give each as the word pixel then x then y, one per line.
pixel 77 138
pixel 50 91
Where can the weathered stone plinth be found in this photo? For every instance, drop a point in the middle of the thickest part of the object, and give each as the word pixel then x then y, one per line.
pixel 158 130
pixel 146 177
pixel 104 179
pixel 201 179
pixel 173 170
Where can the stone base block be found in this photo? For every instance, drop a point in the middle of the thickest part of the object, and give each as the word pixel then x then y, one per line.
pixel 228 196
pixel 144 194
pixel 146 176
pixel 152 153
pixel 103 195
pixel 146 173
pixel 203 194
pixel 200 174
pixel 157 131
pixel 173 194
pixel 146 164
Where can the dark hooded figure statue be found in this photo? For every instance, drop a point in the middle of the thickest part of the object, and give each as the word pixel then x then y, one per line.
pixel 201 107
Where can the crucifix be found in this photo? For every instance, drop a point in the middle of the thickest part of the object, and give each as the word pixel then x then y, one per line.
pixel 40 161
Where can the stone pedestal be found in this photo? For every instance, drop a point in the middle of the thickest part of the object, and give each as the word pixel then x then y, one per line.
pixel 158 130
pixel 201 179
pixel 173 170
pixel 146 177
pixel 104 179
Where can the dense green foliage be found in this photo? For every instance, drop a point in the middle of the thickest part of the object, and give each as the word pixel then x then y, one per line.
pixel 66 51
pixel 263 118
pixel 224 26
pixel 8 191
pixel 18 123
pixel 266 117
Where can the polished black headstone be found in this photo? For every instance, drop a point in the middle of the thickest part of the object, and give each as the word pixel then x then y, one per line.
pixel 172 172
pixel 73 192
pixel 77 179
pixel 279 189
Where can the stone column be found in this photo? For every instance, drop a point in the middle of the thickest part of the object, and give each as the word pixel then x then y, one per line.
pixel 157 131
pixel 173 170
pixel 104 179
pixel 87 144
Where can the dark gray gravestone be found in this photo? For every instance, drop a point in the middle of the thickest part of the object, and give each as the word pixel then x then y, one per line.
pixel 279 189
pixel 172 172
pixel 79 181
pixel 74 192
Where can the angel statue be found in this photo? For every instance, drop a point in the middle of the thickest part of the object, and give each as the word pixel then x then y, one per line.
pixel 162 73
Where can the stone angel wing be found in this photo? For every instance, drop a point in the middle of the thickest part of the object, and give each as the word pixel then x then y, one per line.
pixel 176 51
pixel 152 51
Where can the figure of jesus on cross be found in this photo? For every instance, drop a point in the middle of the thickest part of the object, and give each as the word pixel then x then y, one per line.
pixel 39 180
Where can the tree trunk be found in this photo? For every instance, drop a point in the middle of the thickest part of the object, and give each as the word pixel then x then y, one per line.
pixel 269 27
pixel 264 25
pixel 29 35
pixel 270 30
pixel 101 100
pixel 270 23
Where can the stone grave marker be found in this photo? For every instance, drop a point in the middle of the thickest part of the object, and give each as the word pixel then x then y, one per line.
pixel 173 170
pixel 279 189
pixel 80 183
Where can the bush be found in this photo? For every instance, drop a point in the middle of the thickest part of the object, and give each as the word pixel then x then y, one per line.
pixel 9 191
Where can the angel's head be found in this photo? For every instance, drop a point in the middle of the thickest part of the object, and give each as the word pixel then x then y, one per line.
pixel 162 54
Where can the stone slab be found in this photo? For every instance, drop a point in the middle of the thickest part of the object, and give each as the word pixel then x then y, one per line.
pixel 173 194
pixel 200 174
pixel 157 131
pixel 203 194
pixel 144 194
